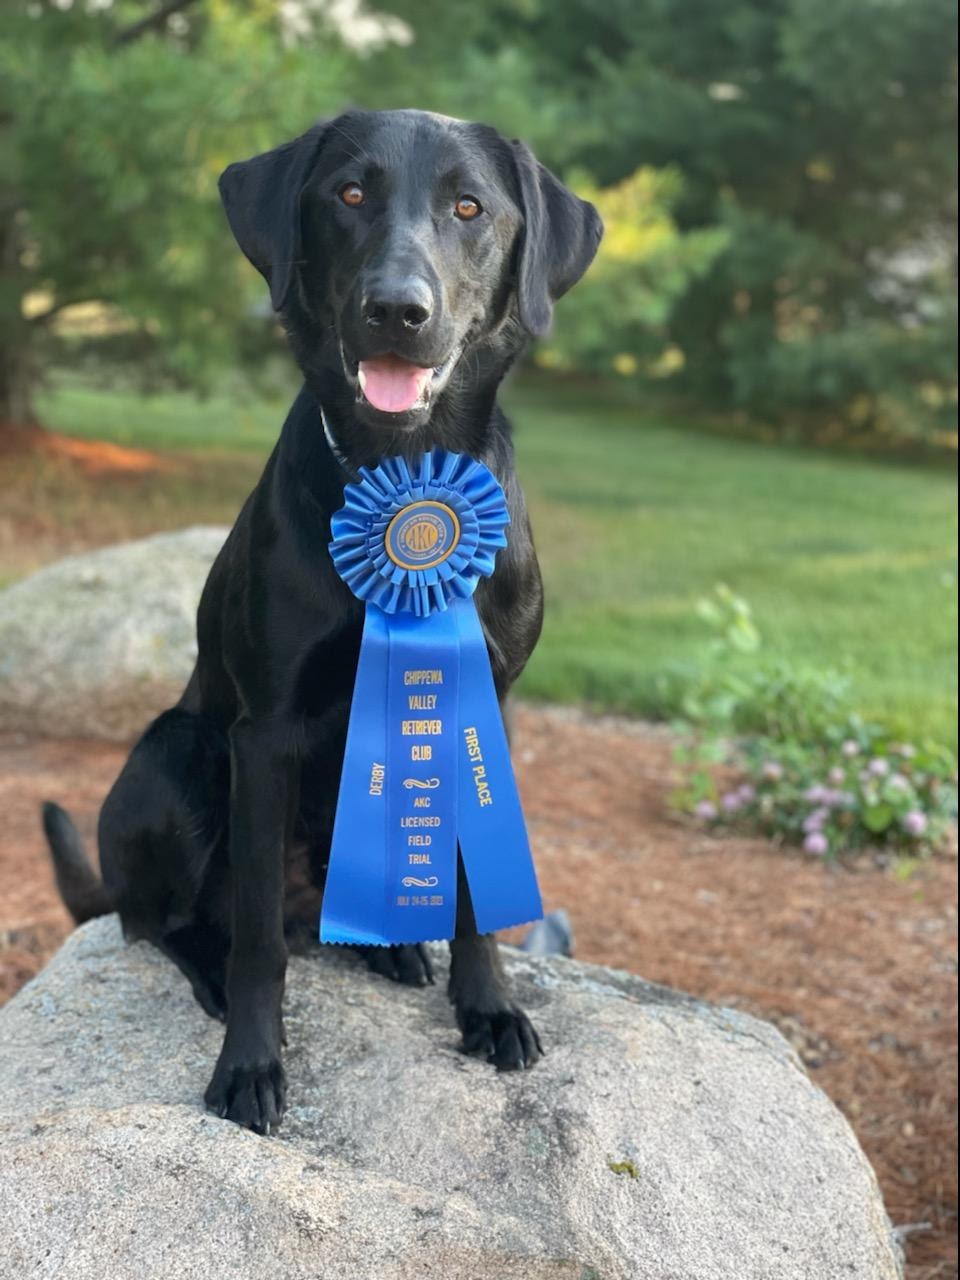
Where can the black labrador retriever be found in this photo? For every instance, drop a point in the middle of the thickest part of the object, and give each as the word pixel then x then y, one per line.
pixel 410 256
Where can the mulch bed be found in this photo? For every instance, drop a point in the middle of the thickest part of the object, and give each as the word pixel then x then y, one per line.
pixel 855 965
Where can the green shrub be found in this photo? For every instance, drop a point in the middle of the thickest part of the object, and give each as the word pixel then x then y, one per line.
pixel 619 325
pixel 737 688
pixel 801 766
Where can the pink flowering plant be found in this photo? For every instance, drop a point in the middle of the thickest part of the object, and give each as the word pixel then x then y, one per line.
pixel 799 765
pixel 853 789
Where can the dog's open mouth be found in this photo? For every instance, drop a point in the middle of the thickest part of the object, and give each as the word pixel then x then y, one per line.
pixel 394 385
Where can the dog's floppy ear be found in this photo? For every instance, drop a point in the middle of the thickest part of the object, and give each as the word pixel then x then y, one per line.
pixel 262 201
pixel 558 242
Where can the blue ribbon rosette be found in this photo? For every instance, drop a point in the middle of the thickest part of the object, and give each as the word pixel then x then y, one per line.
pixel 427 766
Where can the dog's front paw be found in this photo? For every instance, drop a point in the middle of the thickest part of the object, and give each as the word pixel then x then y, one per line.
pixel 252 1094
pixel 508 1038
pixel 406 963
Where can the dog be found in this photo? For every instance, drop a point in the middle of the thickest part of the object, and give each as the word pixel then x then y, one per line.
pixel 411 257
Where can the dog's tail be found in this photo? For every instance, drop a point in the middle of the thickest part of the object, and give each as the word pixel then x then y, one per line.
pixel 83 892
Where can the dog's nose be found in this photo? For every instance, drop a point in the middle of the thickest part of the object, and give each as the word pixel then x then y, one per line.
pixel 398 305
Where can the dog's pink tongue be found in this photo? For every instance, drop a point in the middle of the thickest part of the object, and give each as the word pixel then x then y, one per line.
pixel 391 384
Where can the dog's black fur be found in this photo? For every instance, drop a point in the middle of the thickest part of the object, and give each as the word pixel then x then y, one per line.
pixel 215 837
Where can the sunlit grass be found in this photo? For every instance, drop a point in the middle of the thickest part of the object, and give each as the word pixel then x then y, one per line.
pixel 848 562
pixel 170 420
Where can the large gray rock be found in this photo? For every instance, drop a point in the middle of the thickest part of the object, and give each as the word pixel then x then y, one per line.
pixel 98 644
pixel 660 1139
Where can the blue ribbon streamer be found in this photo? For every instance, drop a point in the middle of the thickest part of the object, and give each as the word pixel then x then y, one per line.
pixel 493 835
pixel 427 767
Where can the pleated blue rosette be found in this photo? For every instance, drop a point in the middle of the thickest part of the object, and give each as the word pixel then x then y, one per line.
pixel 427 768
pixel 359 548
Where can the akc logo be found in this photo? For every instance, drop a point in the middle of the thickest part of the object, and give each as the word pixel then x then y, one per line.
pixel 422 535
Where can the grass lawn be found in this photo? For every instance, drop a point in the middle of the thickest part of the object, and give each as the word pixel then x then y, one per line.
pixel 847 562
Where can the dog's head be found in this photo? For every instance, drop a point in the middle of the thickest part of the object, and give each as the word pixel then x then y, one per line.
pixel 402 249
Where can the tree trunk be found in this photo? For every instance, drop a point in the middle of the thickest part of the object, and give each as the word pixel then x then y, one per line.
pixel 17 382
pixel 18 370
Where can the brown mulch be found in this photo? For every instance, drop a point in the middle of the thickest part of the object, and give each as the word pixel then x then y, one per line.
pixel 856 966
pixel 94 457
pixel 103 458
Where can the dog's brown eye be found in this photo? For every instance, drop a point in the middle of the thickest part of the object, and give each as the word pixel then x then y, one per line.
pixel 467 208
pixel 351 193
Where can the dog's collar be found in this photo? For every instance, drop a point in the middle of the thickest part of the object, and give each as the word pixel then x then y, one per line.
pixel 335 449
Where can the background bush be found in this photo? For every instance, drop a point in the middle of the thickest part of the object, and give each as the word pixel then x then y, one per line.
pixel 815 140
pixel 800 764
